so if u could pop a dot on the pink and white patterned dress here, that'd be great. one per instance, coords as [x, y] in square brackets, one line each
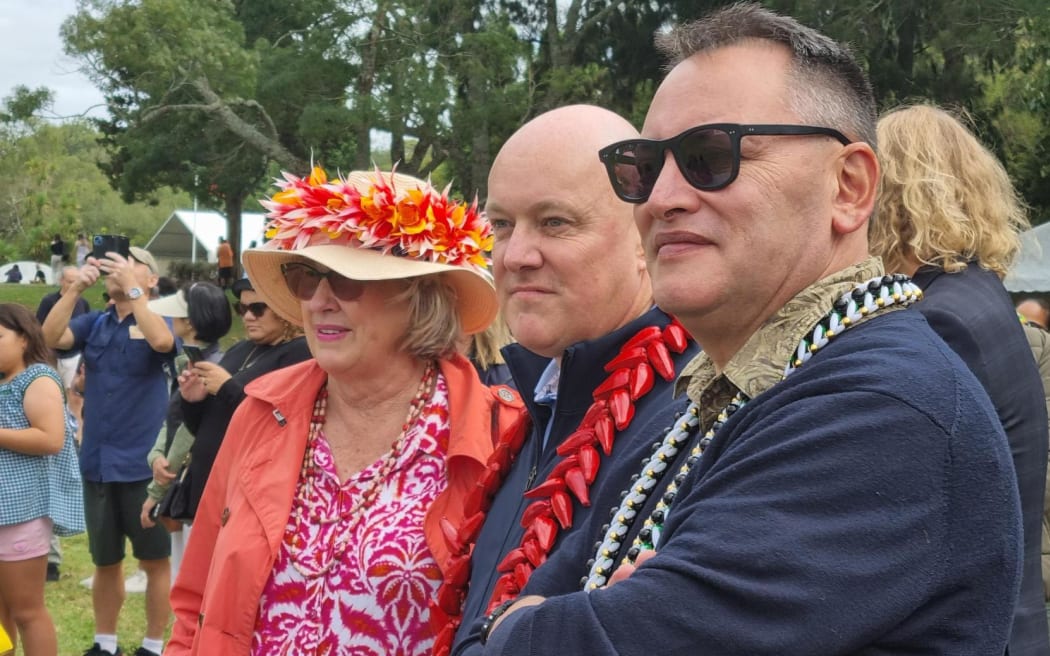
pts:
[359, 583]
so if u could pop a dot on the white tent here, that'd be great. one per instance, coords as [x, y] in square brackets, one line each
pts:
[186, 230]
[1031, 270]
[28, 269]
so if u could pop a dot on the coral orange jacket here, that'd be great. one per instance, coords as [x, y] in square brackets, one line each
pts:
[242, 515]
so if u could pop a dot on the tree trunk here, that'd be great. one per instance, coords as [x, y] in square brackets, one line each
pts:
[234, 206]
[480, 157]
[907, 34]
[365, 84]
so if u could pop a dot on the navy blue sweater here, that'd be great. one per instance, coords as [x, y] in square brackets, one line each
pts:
[865, 505]
[582, 368]
[974, 315]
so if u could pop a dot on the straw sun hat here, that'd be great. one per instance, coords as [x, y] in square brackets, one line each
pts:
[374, 226]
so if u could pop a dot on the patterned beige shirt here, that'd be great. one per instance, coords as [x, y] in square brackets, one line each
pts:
[760, 363]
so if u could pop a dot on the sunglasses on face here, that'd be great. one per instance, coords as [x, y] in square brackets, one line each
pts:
[257, 309]
[304, 279]
[708, 156]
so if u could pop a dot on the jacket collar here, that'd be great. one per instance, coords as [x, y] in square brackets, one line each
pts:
[467, 409]
[582, 365]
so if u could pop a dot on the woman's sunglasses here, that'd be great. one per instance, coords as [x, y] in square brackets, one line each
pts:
[256, 309]
[304, 279]
[708, 156]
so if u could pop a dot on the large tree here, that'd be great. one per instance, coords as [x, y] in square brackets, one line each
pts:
[49, 183]
[228, 91]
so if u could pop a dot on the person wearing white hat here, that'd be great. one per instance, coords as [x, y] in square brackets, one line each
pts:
[342, 505]
[200, 315]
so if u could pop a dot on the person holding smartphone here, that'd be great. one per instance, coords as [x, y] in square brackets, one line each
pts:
[212, 391]
[127, 351]
[200, 316]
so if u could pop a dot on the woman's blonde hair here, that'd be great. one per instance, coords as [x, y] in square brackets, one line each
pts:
[485, 346]
[433, 324]
[944, 198]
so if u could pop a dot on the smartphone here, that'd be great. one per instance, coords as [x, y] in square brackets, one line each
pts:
[193, 353]
[102, 244]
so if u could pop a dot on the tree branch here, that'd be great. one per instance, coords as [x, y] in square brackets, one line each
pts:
[237, 125]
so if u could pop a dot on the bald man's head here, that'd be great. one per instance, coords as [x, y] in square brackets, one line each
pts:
[568, 261]
[568, 139]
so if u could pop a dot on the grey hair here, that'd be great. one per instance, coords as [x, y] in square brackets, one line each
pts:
[828, 87]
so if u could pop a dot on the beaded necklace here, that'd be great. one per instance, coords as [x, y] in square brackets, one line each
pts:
[851, 308]
[631, 377]
[311, 471]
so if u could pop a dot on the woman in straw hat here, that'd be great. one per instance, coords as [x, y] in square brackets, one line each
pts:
[345, 499]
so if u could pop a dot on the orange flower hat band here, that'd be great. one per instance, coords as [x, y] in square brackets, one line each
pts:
[419, 223]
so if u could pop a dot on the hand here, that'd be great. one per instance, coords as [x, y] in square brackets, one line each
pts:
[211, 375]
[173, 525]
[191, 387]
[120, 270]
[161, 474]
[144, 517]
[624, 571]
[87, 275]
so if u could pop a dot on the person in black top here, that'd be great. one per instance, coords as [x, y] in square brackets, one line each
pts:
[272, 343]
[949, 217]
[58, 251]
[67, 359]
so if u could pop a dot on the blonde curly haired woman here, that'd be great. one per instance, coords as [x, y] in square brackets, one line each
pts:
[949, 217]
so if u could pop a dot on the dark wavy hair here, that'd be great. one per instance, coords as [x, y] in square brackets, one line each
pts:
[17, 318]
[209, 311]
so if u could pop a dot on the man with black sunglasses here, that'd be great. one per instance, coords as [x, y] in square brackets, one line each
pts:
[818, 495]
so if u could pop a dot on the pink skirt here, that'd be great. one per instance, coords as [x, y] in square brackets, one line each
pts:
[24, 541]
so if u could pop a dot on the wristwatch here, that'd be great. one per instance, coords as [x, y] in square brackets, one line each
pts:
[134, 293]
[490, 619]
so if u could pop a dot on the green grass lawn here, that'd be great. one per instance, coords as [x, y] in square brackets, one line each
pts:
[70, 602]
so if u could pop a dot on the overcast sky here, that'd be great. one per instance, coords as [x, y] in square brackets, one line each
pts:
[31, 54]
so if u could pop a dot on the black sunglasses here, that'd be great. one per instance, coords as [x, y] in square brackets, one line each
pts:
[708, 156]
[256, 308]
[303, 280]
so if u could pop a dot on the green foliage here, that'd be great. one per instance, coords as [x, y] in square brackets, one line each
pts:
[24, 104]
[227, 91]
[185, 270]
[163, 45]
[50, 183]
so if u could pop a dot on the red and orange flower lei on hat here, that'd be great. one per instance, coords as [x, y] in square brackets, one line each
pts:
[421, 223]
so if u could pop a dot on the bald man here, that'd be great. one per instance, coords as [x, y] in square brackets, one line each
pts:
[572, 281]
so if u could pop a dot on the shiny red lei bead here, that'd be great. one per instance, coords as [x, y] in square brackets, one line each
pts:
[630, 378]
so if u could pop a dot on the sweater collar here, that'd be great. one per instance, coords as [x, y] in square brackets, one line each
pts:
[582, 364]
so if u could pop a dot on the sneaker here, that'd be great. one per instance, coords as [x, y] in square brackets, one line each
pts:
[52, 572]
[96, 650]
[142, 651]
[136, 582]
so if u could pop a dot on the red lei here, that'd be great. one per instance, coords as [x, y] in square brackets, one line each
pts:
[631, 376]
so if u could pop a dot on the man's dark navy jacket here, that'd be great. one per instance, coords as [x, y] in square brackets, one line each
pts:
[582, 369]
